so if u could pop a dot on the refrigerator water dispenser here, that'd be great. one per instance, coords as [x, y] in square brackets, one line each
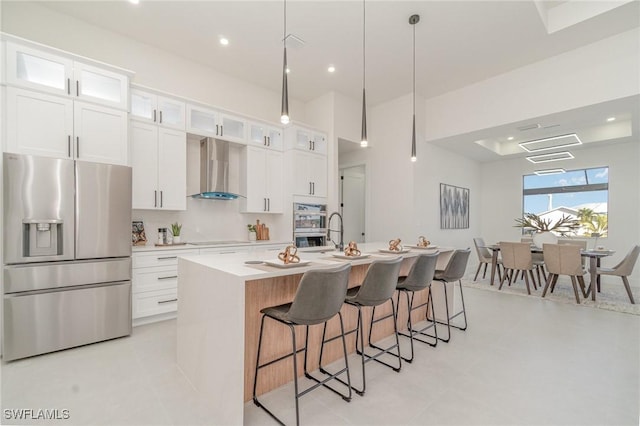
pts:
[42, 238]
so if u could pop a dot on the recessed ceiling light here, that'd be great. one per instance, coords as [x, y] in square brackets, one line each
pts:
[554, 142]
[510, 138]
[549, 172]
[224, 41]
[331, 68]
[552, 156]
[611, 119]
[134, 1]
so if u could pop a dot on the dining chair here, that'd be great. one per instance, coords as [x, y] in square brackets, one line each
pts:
[516, 257]
[485, 257]
[319, 297]
[564, 259]
[623, 269]
[538, 261]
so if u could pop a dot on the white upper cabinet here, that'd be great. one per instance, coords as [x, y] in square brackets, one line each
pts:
[159, 162]
[54, 126]
[204, 121]
[45, 71]
[306, 140]
[162, 110]
[266, 136]
[262, 181]
[309, 173]
[38, 124]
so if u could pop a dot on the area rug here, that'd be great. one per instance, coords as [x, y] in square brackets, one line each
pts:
[612, 297]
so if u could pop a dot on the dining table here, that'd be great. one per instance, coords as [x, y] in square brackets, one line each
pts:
[594, 262]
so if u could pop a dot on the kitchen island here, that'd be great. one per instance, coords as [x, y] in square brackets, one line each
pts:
[219, 302]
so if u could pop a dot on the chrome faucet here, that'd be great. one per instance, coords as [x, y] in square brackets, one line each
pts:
[339, 246]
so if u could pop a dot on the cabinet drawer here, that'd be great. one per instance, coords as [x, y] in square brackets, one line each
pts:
[154, 302]
[160, 258]
[155, 278]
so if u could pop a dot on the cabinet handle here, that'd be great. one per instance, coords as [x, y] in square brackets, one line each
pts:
[167, 257]
[167, 301]
[167, 278]
[309, 145]
[68, 86]
[155, 198]
[269, 140]
[77, 146]
[77, 87]
[313, 143]
[221, 130]
[264, 142]
[154, 115]
[69, 145]
[268, 204]
[217, 129]
[161, 203]
[313, 188]
[310, 193]
[160, 116]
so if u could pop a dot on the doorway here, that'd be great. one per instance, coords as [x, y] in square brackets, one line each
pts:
[352, 202]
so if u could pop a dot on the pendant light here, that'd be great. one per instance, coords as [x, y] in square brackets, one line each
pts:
[284, 114]
[363, 136]
[413, 20]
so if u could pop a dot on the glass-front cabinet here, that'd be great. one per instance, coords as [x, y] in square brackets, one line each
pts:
[44, 71]
[162, 110]
[266, 136]
[217, 124]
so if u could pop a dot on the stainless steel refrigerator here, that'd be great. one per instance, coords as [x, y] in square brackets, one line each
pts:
[67, 254]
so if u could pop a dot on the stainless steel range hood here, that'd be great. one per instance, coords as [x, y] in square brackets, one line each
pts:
[218, 173]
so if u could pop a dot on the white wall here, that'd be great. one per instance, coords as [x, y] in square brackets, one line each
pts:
[501, 202]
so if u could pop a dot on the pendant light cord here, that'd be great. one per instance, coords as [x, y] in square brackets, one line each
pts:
[414, 69]
[364, 36]
[284, 30]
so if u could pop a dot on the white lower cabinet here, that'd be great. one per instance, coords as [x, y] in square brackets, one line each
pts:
[159, 161]
[155, 284]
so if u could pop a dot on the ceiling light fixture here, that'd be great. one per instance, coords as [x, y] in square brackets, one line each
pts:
[510, 138]
[134, 1]
[610, 119]
[413, 20]
[224, 41]
[363, 134]
[549, 172]
[554, 142]
[552, 156]
[284, 110]
[331, 68]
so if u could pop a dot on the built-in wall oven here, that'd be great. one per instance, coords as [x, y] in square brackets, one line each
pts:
[309, 225]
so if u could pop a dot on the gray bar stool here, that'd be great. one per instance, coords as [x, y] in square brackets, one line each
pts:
[419, 279]
[377, 288]
[319, 297]
[454, 271]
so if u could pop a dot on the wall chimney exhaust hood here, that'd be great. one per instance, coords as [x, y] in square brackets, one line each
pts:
[219, 178]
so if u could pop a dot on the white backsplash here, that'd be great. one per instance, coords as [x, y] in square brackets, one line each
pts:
[207, 220]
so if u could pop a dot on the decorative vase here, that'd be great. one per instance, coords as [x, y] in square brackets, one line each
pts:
[544, 237]
[176, 239]
[252, 236]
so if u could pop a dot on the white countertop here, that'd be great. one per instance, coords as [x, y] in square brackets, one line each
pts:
[234, 264]
[189, 246]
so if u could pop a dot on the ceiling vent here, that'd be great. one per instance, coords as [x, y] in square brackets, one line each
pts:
[528, 127]
[554, 142]
[552, 156]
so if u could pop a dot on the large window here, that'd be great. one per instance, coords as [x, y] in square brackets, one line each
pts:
[580, 194]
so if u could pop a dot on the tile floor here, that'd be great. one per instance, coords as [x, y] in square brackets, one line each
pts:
[522, 361]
